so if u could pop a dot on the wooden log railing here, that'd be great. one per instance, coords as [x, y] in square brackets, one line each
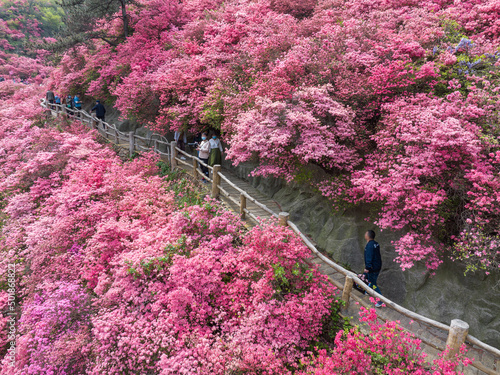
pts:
[457, 334]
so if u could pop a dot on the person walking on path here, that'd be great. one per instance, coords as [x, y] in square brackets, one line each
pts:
[215, 151]
[204, 152]
[50, 97]
[373, 262]
[77, 103]
[57, 99]
[69, 104]
[100, 111]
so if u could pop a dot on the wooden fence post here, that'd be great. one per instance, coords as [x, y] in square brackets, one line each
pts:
[173, 154]
[283, 218]
[117, 139]
[456, 337]
[131, 143]
[243, 205]
[346, 293]
[195, 167]
[155, 147]
[216, 181]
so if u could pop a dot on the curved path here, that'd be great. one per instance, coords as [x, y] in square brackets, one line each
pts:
[257, 205]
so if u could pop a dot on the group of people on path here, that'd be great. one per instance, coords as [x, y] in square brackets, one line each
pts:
[209, 149]
[74, 102]
[69, 102]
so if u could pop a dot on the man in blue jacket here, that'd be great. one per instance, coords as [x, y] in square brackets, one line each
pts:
[373, 261]
[77, 102]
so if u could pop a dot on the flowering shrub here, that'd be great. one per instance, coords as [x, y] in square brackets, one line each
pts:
[387, 350]
[123, 271]
[120, 275]
[396, 100]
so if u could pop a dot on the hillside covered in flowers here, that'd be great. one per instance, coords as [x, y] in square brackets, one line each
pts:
[387, 103]
[123, 267]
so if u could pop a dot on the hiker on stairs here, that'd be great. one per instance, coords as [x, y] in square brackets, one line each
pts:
[100, 111]
[69, 104]
[373, 262]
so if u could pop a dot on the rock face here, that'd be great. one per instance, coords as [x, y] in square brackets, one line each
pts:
[448, 295]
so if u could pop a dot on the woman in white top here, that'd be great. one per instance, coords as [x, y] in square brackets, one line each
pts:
[215, 151]
[204, 152]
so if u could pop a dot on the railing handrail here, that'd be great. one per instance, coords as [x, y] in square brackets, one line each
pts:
[194, 157]
[417, 317]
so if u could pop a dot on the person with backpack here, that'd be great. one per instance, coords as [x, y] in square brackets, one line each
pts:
[180, 136]
[373, 262]
[77, 102]
[69, 104]
[57, 101]
[215, 151]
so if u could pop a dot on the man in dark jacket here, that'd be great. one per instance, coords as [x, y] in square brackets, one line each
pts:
[373, 261]
[100, 111]
[50, 97]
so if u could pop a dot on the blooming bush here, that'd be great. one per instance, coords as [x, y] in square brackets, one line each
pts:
[121, 270]
[396, 100]
[119, 275]
[388, 349]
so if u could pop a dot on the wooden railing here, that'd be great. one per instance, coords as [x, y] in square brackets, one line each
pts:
[457, 332]
[135, 142]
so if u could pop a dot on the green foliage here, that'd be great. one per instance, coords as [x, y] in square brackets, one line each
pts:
[304, 174]
[186, 193]
[331, 325]
[453, 32]
[34, 18]
[150, 266]
[213, 110]
[287, 280]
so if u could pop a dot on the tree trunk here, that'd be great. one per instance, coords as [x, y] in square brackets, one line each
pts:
[125, 18]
